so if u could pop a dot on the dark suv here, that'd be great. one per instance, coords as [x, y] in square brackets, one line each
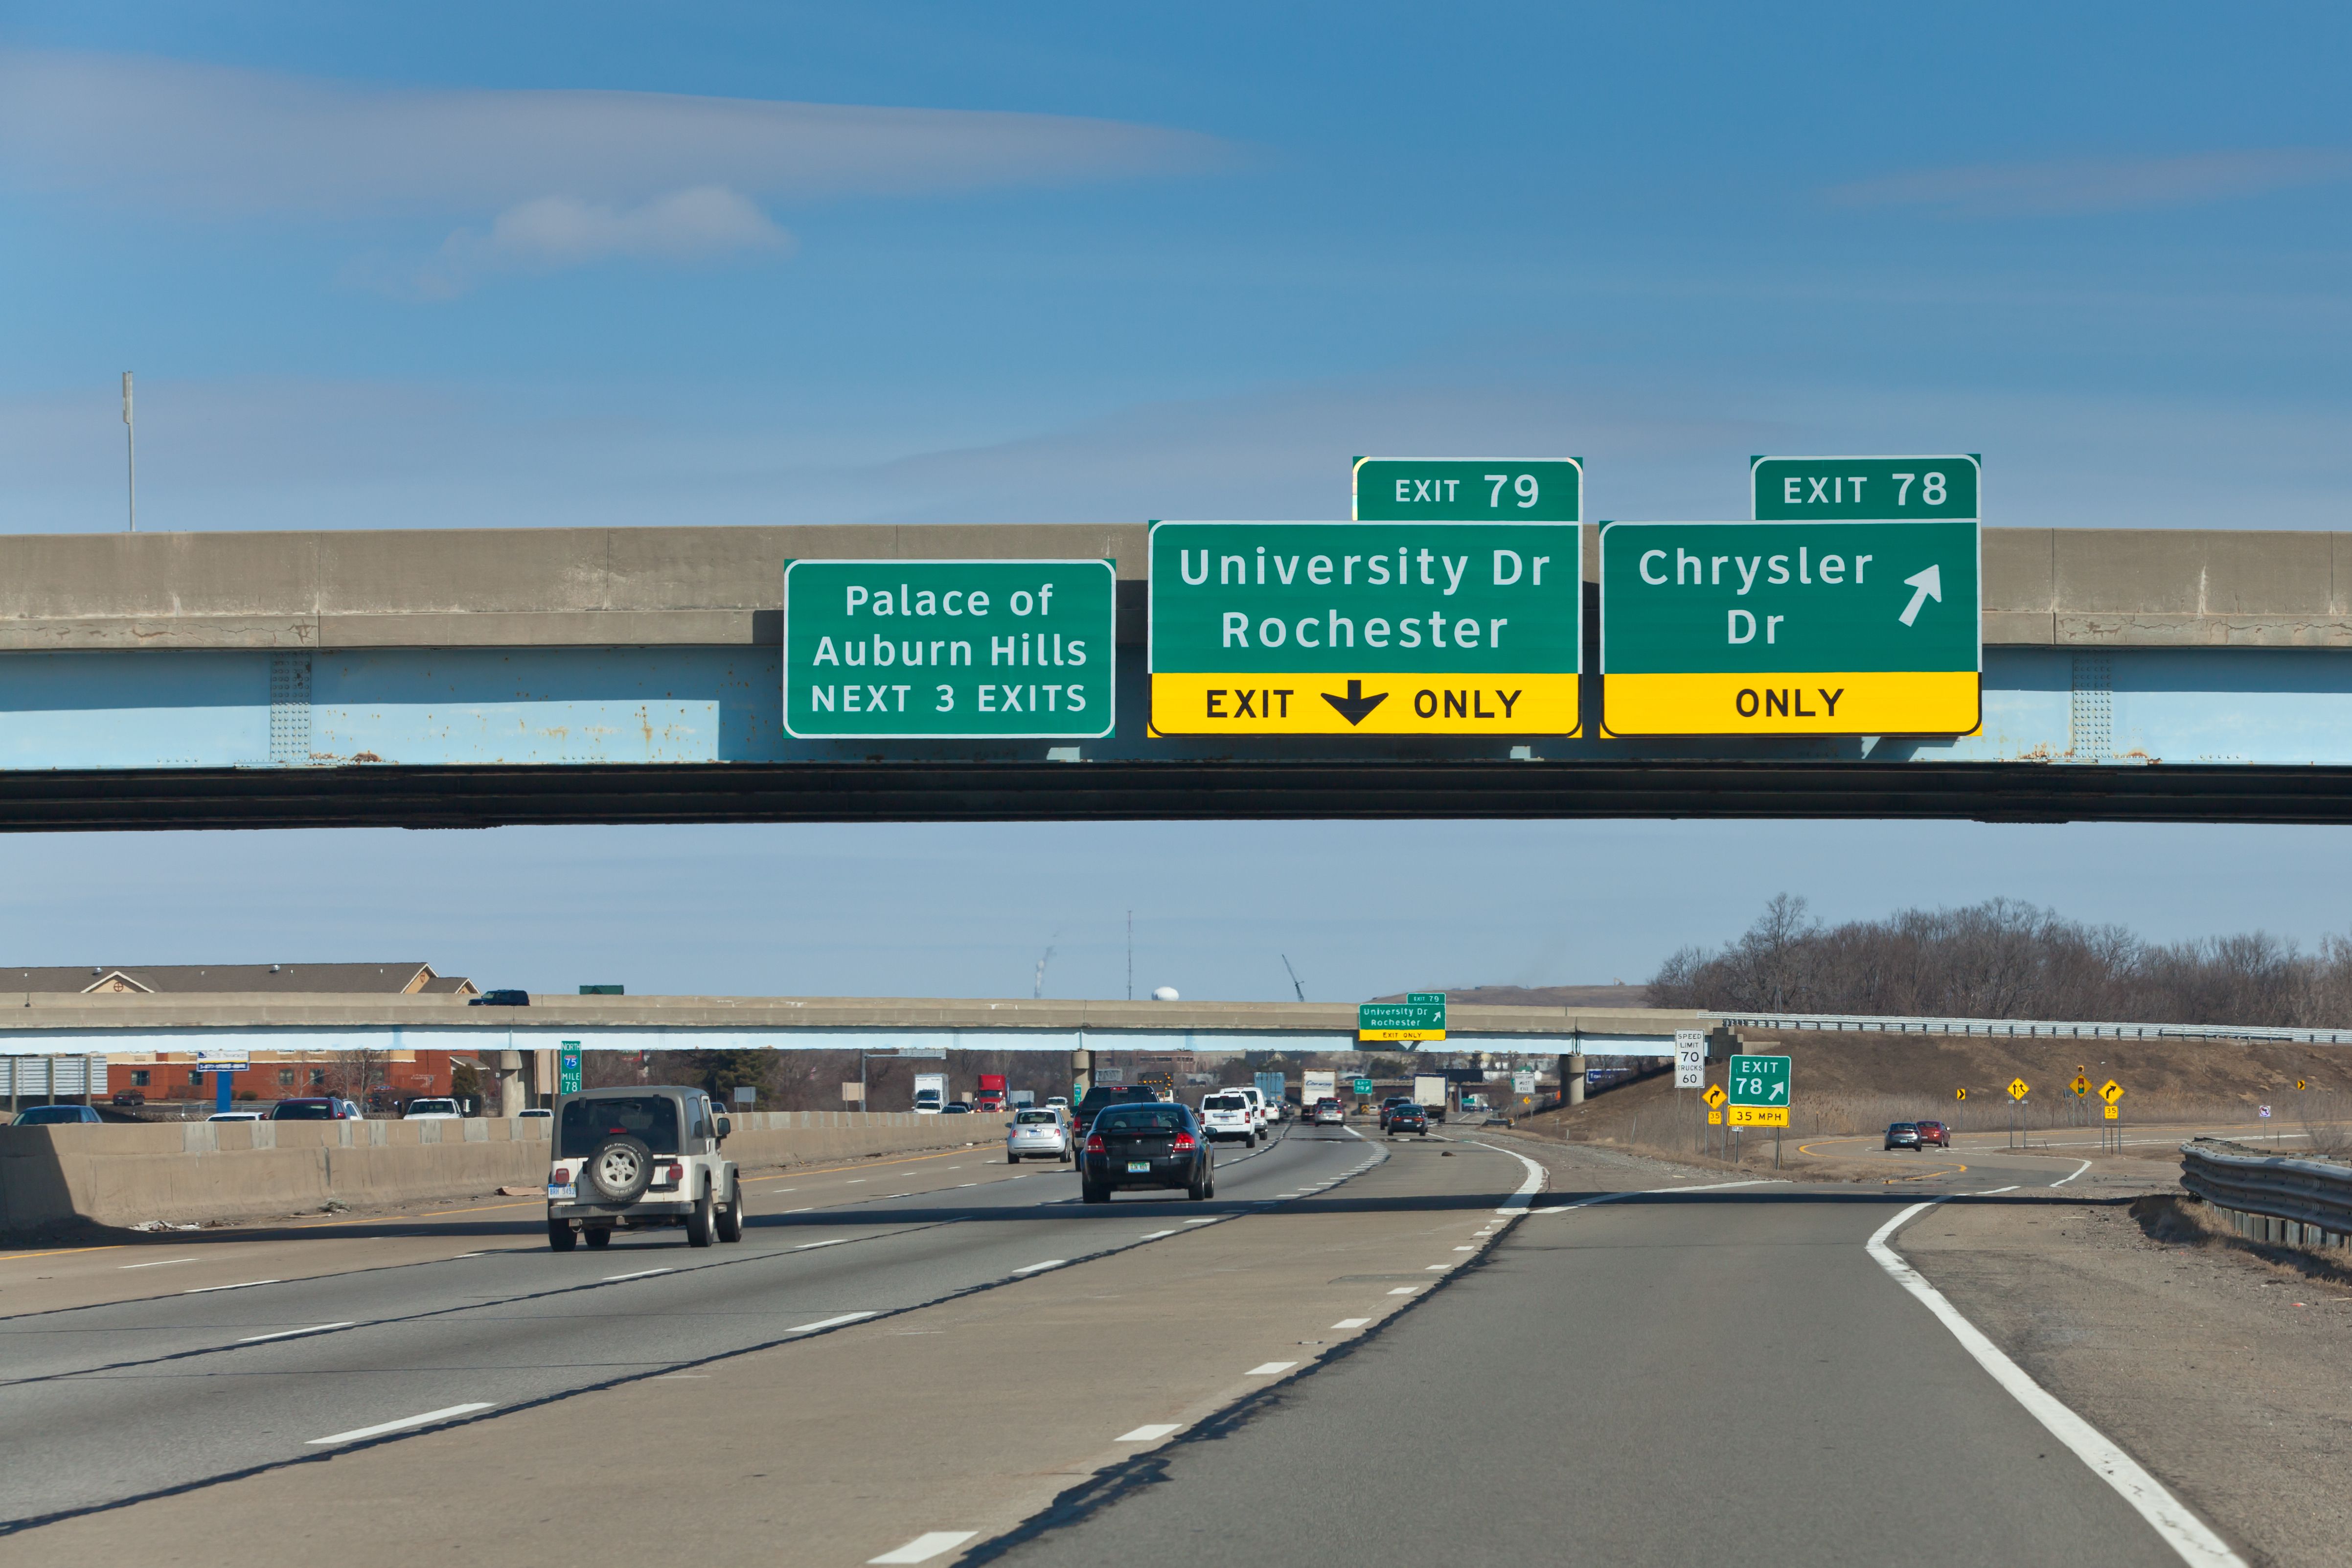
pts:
[309, 1108]
[1146, 1144]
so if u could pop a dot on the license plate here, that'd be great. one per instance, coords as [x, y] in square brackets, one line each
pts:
[1138, 1167]
[567, 1190]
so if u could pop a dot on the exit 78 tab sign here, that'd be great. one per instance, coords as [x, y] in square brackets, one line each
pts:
[1438, 628]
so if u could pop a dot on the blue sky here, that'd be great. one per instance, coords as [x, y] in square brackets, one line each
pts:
[463, 266]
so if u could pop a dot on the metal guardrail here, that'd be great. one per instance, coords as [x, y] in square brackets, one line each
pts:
[2032, 1028]
[2271, 1198]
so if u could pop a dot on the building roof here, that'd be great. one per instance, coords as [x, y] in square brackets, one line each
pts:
[269, 979]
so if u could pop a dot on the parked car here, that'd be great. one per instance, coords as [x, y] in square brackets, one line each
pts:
[1327, 1113]
[239, 1116]
[1935, 1132]
[310, 1108]
[1157, 1144]
[1227, 1115]
[54, 1117]
[1037, 1134]
[1902, 1136]
[429, 1109]
[500, 999]
[1407, 1118]
[626, 1158]
[130, 1097]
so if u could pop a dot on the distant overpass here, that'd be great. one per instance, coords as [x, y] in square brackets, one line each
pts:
[473, 677]
[48, 1024]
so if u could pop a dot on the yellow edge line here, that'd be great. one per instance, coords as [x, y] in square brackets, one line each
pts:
[64, 1251]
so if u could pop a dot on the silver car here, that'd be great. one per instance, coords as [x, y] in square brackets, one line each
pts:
[1038, 1135]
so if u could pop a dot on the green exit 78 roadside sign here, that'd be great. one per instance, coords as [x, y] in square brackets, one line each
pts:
[1758, 1081]
[947, 650]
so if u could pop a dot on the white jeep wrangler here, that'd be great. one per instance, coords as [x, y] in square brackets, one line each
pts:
[640, 1156]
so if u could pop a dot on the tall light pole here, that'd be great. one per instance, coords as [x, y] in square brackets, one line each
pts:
[130, 451]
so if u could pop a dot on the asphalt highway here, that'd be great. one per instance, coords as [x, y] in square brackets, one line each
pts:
[1664, 1377]
[103, 1404]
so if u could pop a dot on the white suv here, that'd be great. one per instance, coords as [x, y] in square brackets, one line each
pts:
[1229, 1115]
[633, 1157]
[1260, 1116]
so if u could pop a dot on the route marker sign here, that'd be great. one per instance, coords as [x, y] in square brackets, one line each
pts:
[1866, 489]
[567, 1068]
[949, 649]
[1715, 1097]
[2018, 1089]
[1421, 1015]
[1759, 1090]
[1469, 490]
[1786, 628]
[1370, 628]
[2111, 1091]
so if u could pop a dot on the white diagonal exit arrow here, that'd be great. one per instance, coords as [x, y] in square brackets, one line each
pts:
[1928, 584]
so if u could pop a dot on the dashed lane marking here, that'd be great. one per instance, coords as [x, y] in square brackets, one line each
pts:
[159, 1263]
[830, 1323]
[1040, 1267]
[242, 1285]
[1268, 1368]
[290, 1333]
[448, 1413]
[812, 1246]
[640, 1274]
[1150, 1434]
[924, 1547]
[1352, 1322]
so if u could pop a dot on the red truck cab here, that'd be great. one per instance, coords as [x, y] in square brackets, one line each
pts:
[991, 1093]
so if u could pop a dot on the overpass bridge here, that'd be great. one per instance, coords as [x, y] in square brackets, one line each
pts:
[473, 677]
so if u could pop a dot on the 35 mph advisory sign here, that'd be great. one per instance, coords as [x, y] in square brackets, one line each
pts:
[945, 649]
[1440, 628]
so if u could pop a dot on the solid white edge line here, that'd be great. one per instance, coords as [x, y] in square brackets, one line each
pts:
[245, 1285]
[159, 1263]
[2179, 1529]
[2070, 1176]
[926, 1546]
[1040, 1267]
[401, 1424]
[1518, 1200]
[289, 1334]
[829, 1323]
[1150, 1434]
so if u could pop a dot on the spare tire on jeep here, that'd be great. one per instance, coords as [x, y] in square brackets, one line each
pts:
[619, 1169]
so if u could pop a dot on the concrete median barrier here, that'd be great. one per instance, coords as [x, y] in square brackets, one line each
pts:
[56, 1178]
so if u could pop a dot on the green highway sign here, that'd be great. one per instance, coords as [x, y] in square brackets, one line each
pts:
[1421, 1015]
[1364, 1086]
[1365, 628]
[1469, 490]
[949, 649]
[1759, 1090]
[1866, 489]
[567, 1068]
[1829, 628]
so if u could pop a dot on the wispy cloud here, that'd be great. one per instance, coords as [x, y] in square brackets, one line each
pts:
[2066, 187]
[545, 179]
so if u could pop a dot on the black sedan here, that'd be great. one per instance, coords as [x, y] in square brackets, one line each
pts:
[1408, 1119]
[1146, 1145]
